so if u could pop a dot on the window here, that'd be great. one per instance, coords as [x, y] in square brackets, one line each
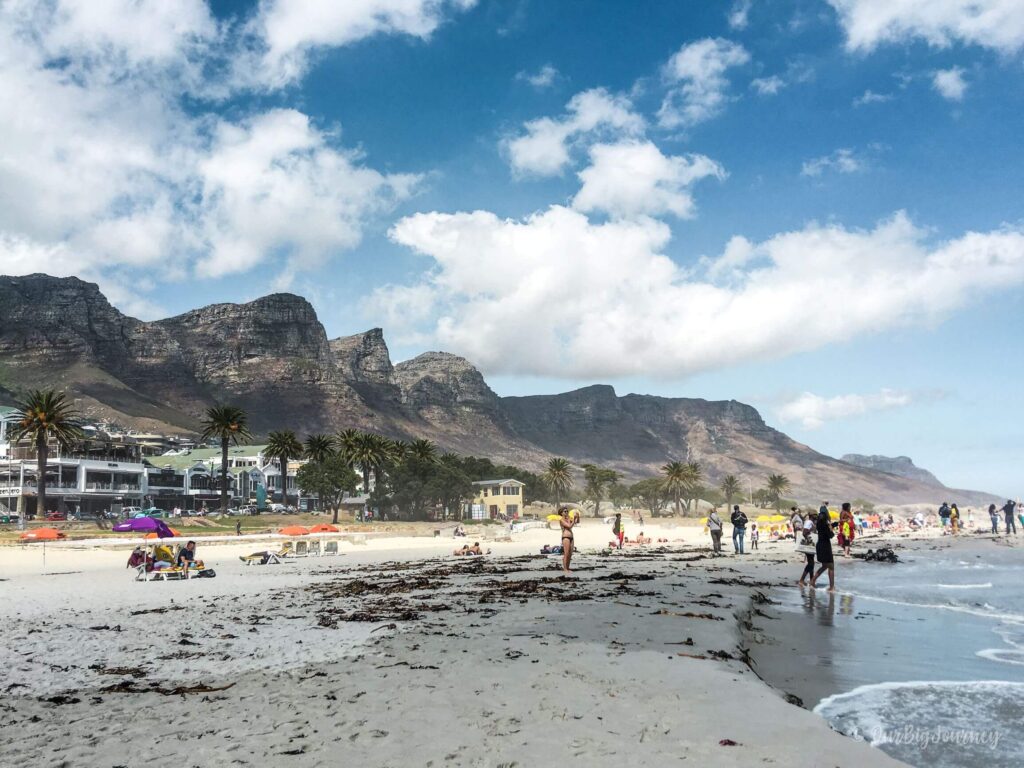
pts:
[510, 490]
[511, 510]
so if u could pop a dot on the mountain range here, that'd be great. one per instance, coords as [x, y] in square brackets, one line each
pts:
[273, 358]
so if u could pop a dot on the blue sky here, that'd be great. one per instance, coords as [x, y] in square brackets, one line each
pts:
[809, 205]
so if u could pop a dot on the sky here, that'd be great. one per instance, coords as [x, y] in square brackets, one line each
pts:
[813, 206]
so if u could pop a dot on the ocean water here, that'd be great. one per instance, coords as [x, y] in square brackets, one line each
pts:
[924, 659]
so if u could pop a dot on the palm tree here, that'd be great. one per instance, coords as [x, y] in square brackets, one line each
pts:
[558, 477]
[777, 485]
[423, 450]
[345, 443]
[692, 475]
[230, 425]
[283, 446]
[675, 479]
[370, 452]
[42, 416]
[730, 488]
[319, 448]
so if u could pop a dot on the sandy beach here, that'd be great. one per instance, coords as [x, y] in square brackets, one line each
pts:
[396, 653]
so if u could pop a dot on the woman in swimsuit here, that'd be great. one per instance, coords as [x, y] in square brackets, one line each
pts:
[567, 521]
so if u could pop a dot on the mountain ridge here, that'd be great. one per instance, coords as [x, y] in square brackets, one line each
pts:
[272, 356]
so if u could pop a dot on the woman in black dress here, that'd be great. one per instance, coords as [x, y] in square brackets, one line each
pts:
[824, 549]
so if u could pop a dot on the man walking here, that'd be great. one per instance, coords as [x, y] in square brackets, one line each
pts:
[739, 528]
[617, 530]
[1008, 509]
[715, 527]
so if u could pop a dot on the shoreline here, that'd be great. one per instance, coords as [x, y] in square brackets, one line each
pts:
[407, 656]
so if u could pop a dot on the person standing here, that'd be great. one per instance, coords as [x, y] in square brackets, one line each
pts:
[566, 521]
[238, 527]
[617, 530]
[1008, 509]
[805, 545]
[796, 522]
[944, 513]
[754, 536]
[993, 515]
[823, 549]
[847, 528]
[739, 528]
[715, 528]
[954, 519]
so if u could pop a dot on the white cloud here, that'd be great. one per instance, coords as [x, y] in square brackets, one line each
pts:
[102, 168]
[557, 294]
[997, 24]
[840, 161]
[768, 86]
[543, 78]
[634, 178]
[812, 411]
[739, 14]
[870, 97]
[544, 149]
[950, 83]
[273, 185]
[285, 33]
[697, 83]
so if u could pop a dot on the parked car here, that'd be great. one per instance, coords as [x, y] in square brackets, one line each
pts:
[130, 511]
[55, 515]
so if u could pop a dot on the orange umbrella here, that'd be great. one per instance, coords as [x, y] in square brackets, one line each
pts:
[153, 534]
[42, 534]
[294, 530]
[323, 528]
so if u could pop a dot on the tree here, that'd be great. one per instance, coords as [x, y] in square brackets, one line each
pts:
[423, 450]
[42, 416]
[651, 494]
[346, 443]
[619, 493]
[762, 498]
[319, 448]
[558, 477]
[330, 479]
[449, 485]
[283, 446]
[597, 478]
[370, 452]
[777, 485]
[673, 480]
[692, 475]
[730, 488]
[230, 425]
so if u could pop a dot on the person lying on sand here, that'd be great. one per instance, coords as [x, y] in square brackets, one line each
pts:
[468, 550]
[641, 539]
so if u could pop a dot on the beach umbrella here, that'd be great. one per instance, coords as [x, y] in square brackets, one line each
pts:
[294, 530]
[324, 528]
[779, 518]
[144, 525]
[833, 514]
[764, 518]
[155, 535]
[42, 534]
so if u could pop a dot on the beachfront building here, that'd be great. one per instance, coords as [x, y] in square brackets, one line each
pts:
[496, 500]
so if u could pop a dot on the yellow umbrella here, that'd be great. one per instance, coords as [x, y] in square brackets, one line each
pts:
[779, 518]
[764, 518]
[833, 514]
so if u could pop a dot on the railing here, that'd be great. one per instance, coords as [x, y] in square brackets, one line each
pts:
[112, 487]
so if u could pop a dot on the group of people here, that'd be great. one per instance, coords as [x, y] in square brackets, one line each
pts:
[162, 557]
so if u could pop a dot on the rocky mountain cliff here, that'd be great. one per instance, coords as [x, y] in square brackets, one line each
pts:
[901, 466]
[273, 358]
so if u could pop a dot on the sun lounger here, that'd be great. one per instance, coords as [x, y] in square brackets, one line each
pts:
[314, 549]
[301, 548]
[330, 547]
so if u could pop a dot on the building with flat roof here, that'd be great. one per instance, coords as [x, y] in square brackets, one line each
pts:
[496, 500]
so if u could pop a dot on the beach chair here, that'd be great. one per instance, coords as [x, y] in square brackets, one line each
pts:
[314, 549]
[301, 548]
[330, 547]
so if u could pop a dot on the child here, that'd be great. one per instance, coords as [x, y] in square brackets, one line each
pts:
[754, 535]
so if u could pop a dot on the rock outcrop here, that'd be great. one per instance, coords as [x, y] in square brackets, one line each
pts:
[272, 357]
[901, 466]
